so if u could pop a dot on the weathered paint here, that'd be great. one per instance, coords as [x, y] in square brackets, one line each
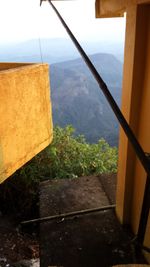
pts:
[25, 114]
[135, 107]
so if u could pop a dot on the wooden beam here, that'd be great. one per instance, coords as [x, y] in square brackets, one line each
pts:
[115, 8]
[107, 8]
[126, 162]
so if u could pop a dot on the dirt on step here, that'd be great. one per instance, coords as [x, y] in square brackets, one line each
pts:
[92, 240]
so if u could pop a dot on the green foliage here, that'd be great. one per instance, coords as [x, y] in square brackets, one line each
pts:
[69, 156]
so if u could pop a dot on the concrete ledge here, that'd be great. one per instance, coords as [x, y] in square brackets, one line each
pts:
[25, 114]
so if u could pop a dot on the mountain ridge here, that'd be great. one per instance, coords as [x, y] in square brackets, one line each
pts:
[77, 99]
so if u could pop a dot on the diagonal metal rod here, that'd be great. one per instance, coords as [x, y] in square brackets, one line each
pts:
[69, 214]
[137, 147]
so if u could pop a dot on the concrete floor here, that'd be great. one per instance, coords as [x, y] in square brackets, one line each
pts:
[83, 241]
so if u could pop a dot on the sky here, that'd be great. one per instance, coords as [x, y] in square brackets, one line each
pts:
[22, 20]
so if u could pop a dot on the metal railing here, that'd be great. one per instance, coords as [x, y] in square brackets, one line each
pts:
[144, 159]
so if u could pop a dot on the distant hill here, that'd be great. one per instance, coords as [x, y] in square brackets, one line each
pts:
[77, 99]
[54, 50]
[36, 50]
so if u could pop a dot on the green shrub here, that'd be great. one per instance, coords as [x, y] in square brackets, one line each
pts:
[69, 156]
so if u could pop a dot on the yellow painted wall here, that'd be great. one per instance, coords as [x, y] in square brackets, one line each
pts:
[25, 114]
[143, 133]
[136, 108]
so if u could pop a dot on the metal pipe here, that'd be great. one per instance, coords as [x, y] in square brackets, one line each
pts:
[69, 214]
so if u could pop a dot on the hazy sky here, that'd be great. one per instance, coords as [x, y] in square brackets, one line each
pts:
[25, 19]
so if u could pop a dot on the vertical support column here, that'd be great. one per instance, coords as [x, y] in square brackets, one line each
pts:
[143, 131]
[126, 155]
[134, 69]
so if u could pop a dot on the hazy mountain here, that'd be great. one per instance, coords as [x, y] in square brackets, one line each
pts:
[36, 50]
[77, 99]
[54, 50]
